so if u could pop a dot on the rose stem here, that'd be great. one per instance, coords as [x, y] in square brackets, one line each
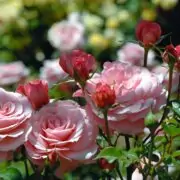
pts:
[146, 50]
[107, 127]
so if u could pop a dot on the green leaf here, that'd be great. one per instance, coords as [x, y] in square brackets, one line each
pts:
[10, 174]
[176, 153]
[62, 89]
[4, 165]
[172, 130]
[129, 157]
[110, 153]
[19, 165]
[132, 155]
[163, 174]
[176, 107]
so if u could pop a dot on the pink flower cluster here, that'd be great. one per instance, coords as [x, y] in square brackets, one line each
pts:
[137, 92]
[59, 130]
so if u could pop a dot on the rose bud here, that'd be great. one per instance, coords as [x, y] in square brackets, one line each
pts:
[148, 33]
[78, 64]
[104, 96]
[36, 91]
[169, 54]
[177, 48]
[104, 164]
[177, 64]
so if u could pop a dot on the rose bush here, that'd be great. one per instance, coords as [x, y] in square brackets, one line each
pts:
[51, 131]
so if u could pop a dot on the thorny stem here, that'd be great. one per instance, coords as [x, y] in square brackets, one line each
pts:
[107, 127]
[165, 113]
[127, 142]
[25, 161]
[166, 109]
[171, 67]
[115, 143]
[150, 152]
[118, 171]
[178, 93]
[26, 168]
[129, 169]
[146, 50]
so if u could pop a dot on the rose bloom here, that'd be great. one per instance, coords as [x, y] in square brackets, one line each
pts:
[137, 91]
[62, 128]
[134, 54]
[12, 73]
[15, 112]
[66, 35]
[163, 72]
[52, 73]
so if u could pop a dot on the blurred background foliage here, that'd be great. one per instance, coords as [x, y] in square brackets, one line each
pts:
[24, 25]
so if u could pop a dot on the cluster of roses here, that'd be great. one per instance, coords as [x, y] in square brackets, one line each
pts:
[62, 130]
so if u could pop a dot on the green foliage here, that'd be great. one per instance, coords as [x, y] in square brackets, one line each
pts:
[114, 153]
[176, 107]
[10, 174]
[171, 129]
[110, 153]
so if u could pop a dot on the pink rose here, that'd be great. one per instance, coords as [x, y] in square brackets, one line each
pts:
[66, 35]
[52, 73]
[36, 91]
[134, 54]
[63, 128]
[15, 111]
[137, 92]
[163, 72]
[12, 73]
